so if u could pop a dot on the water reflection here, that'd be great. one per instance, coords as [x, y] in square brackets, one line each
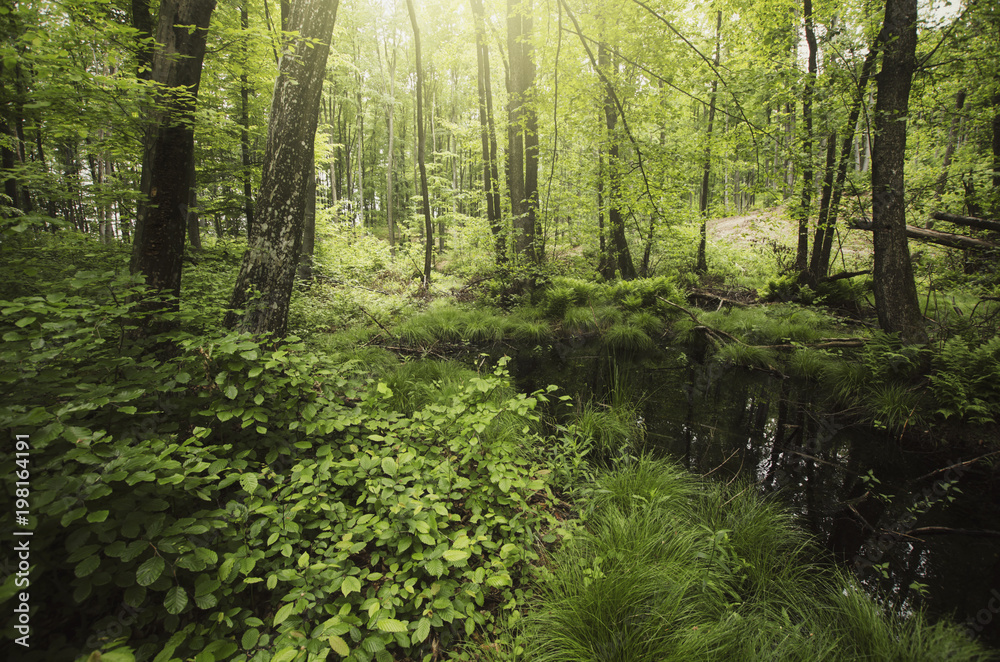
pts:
[887, 513]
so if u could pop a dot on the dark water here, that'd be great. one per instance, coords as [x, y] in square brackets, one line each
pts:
[870, 500]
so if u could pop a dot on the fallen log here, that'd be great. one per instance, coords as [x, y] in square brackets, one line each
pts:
[942, 238]
[970, 221]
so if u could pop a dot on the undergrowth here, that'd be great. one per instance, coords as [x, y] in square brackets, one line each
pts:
[668, 567]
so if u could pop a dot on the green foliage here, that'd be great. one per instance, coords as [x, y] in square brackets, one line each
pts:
[965, 380]
[624, 339]
[244, 501]
[672, 568]
[750, 356]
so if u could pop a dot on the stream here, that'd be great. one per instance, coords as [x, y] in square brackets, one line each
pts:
[914, 525]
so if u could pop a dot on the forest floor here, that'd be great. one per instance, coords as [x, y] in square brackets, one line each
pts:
[773, 229]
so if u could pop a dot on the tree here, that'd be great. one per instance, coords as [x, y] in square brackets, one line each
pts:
[421, 140]
[522, 150]
[487, 130]
[169, 143]
[805, 204]
[259, 303]
[702, 265]
[895, 290]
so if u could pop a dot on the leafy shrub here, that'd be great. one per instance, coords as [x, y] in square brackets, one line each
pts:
[243, 502]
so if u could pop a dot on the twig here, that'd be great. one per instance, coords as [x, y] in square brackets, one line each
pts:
[955, 466]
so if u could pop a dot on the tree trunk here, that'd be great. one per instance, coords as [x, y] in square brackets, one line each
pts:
[805, 204]
[621, 257]
[391, 112]
[193, 229]
[823, 243]
[421, 139]
[142, 21]
[523, 148]
[491, 170]
[247, 174]
[949, 150]
[169, 144]
[894, 288]
[948, 239]
[264, 286]
[305, 270]
[702, 265]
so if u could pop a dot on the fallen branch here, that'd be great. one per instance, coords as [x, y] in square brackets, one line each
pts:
[957, 465]
[941, 238]
[970, 221]
[843, 275]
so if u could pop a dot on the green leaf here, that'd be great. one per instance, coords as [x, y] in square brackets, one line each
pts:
[88, 565]
[420, 634]
[389, 466]
[97, 516]
[339, 646]
[455, 555]
[283, 613]
[350, 585]
[286, 654]
[250, 638]
[231, 392]
[248, 482]
[176, 600]
[150, 571]
[391, 625]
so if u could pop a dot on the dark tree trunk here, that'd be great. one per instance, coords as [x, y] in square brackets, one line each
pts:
[305, 271]
[491, 171]
[523, 148]
[245, 134]
[805, 203]
[895, 290]
[142, 21]
[702, 265]
[264, 286]
[421, 140]
[949, 150]
[823, 243]
[621, 257]
[193, 228]
[168, 152]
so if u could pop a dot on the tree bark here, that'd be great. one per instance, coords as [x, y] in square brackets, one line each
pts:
[895, 290]
[264, 286]
[970, 221]
[523, 147]
[247, 173]
[823, 242]
[305, 270]
[391, 112]
[169, 144]
[421, 140]
[491, 171]
[621, 257]
[949, 150]
[805, 203]
[702, 265]
[941, 238]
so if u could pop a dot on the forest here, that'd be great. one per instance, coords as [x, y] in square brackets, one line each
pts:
[540, 330]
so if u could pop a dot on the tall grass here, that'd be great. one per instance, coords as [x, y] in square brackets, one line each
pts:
[670, 567]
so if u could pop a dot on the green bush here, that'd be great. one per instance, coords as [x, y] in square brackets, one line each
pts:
[250, 502]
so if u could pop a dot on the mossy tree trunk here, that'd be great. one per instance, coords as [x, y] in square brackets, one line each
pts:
[168, 150]
[264, 286]
[895, 290]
